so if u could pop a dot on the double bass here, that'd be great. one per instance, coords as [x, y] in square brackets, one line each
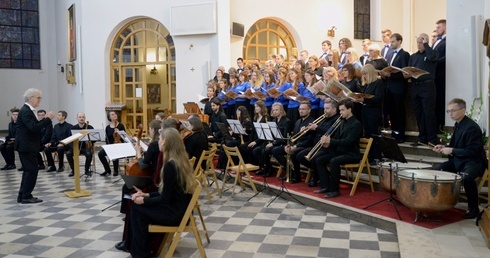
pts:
[133, 168]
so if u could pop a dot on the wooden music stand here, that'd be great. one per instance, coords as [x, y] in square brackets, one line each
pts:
[192, 108]
[76, 159]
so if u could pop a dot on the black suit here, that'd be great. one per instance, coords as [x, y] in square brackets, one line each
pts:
[60, 132]
[7, 148]
[343, 149]
[46, 134]
[195, 144]
[386, 52]
[27, 137]
[468, 157]
[394, 101]
[440, 81]
[372, 114]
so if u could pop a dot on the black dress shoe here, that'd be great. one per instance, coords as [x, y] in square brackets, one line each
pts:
[60, 169]
[31, 200]
[121, 246]
[332, 194]
[105, 173]
[259, 172]
[5, 167]
[40, 167]
[88, 173]
[115, 173]
[323, 190]
[71, 173]
[11, 167]
[295, 180]
[51, 169]
[471, 215]
[19, 199]
[312, 183]
[20, 169]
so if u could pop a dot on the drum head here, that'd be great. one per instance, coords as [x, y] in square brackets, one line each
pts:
[429, 175]
[401, 166]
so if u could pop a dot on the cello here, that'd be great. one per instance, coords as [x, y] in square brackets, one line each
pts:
[133, 168]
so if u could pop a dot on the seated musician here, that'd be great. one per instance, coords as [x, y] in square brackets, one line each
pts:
[218, 116]
[300, 144]
[210, 93]
[84, 147]
[152, 161]
[46, 133]
[197, 141]
[160, 116]
[465, 152]
[330, 110]
[7, 148]
[264, 152]
[341, 148]
[166, 206]
[246, 149]
[111, 137]
[237, 139]
[61, 131]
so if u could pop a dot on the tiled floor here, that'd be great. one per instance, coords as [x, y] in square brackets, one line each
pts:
[238, 227]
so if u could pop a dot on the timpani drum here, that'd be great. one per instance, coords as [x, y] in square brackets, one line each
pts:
[428, 190]
[384, 172]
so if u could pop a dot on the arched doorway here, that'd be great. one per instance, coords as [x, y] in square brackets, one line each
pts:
[143, 71]
[267, 36]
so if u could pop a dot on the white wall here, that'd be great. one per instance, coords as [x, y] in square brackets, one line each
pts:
[465, 54]
[14, 82]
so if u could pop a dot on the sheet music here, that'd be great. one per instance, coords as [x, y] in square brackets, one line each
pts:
[258, 129]
[143, 145]
[236, 127]
[275, 130]
[267, 131]
[125, 137]
[72, 138]
[119, 150]
[95, 135]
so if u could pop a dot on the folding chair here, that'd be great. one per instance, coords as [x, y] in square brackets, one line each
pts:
[207, 157]
[238, 169]
[173, 234]
[365, 144]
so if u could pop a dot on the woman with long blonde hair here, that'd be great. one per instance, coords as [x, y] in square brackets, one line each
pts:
[168, 205]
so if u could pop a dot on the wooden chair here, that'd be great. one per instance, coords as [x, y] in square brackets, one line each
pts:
[192, 161]
[365, 144]
[238, 169]
[173, 234]
[481, 183]
[207, 157]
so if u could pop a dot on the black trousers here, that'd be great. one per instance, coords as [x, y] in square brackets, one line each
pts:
[29, 174]
[88, 158]
[469, 173]
[263, 155]
[395, 108]
[301, 157]
[61, 154]
[8, 153]
[423, 103]
[372, 121]
[102, 157]
[330, 179]
[279, 154]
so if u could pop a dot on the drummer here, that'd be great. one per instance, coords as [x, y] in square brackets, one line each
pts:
[465, 152]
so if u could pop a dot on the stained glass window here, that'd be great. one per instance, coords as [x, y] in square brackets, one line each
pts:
[362, 16]
[19, 34]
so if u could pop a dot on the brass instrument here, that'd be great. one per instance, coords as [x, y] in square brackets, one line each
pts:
[305, 129]
[319, 144]
[88, 144]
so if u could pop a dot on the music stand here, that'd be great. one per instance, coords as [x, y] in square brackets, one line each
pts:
[283, 188]
[93, 135]
[263, 133]
[236, 127]
[76, 152]
[392, 151]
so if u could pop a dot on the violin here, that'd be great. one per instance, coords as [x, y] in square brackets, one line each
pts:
[117, 137]
[88, 144]
[133, 167]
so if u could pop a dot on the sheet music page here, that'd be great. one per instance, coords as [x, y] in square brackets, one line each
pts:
[258, 129]
[267, 131]
[72, 138]
[143, 145]
[119, 150]
[275, 130]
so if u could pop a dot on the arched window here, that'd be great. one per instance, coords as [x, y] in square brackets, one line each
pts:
[265, 37]
[143, 71]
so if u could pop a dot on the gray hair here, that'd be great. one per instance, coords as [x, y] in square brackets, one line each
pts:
[30, 93]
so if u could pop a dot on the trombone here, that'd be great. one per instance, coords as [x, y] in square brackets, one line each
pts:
[305, 129]
[319, 144]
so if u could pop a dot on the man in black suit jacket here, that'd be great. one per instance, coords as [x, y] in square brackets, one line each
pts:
[46, 134]
[27, 138]
[465, 152]
[342, 148]
[61, 131]
[440, 76]
[394, 101]
[7, 148]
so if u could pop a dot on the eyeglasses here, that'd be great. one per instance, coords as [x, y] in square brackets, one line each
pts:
[450, 111]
